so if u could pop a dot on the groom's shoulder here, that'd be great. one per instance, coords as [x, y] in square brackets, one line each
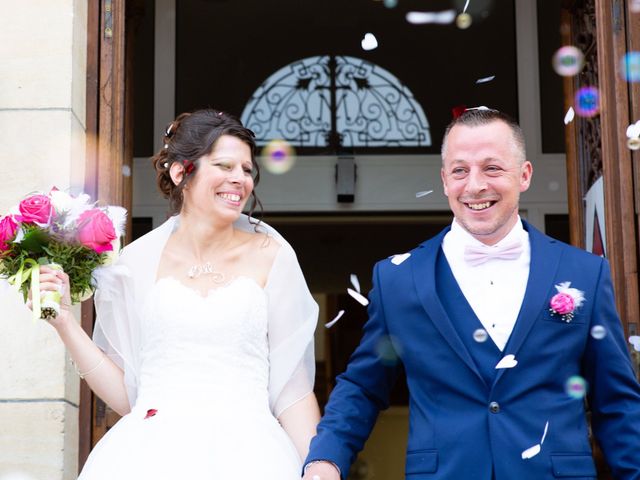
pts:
[569, 252]
[398, 262]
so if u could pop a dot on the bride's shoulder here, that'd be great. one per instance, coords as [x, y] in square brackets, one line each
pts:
[260, 245]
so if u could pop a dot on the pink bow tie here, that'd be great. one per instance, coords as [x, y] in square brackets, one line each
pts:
[478, 254]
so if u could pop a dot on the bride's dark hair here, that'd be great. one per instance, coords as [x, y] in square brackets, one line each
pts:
[189, 137]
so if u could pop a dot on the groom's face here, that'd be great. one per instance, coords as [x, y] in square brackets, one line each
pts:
[483, 174]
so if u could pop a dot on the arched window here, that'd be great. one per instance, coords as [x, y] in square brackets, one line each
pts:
[336, 102]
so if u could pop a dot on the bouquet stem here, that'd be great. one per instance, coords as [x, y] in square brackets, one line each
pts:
[50, 300]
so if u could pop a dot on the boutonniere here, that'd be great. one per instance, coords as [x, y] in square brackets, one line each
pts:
[565, 302]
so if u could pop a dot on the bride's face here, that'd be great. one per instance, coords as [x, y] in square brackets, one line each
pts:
[223, 181]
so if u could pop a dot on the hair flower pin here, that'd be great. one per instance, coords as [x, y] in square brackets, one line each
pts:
[565, 302]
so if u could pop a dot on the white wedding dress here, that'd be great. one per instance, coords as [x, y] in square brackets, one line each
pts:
[202, 408]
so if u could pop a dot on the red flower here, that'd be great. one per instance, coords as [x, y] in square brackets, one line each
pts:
[35, 209]
[8, 228]
[95, 230]
[151, 413]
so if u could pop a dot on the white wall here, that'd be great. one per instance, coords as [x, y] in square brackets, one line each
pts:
[42, 111]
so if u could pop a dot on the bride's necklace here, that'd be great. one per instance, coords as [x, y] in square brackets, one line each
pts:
[206, 268]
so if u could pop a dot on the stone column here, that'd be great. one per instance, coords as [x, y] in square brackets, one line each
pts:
[43, 45]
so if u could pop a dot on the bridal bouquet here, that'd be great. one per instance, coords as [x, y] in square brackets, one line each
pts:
[62, 231]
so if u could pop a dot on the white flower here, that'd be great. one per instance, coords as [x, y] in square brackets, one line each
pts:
[60, 200]
[118, 216]
[78, 205]
[577, 295]
[111, 257]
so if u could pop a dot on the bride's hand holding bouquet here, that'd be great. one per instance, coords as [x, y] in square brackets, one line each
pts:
[50, 244]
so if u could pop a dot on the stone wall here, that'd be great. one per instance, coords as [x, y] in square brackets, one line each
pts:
[42, 122]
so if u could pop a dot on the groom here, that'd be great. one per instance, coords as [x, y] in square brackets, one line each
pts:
[501, 330]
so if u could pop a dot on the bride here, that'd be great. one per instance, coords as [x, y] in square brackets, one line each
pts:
[204, 329]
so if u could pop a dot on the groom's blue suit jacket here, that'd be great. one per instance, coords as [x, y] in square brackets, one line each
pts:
[469, 420]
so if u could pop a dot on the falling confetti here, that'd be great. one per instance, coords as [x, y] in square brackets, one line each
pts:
[423, 193]
[587, 102]
[336, 318]
[398, 259]
[422, 18]
[390, 3]
[568, 117]
[598, 332]
[568, 61]
[508, 361]
[361, 299]
[466, 5]
[355, 282]
[481, 336]
[630, 67]
[635, 341]
[369, 42]
[278, 157]
[633, 130]
[535, 450]
[126, 171]
[576, 387]
[485, 79]
[151, 413]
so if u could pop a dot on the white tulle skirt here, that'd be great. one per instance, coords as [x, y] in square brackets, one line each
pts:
[185, 441]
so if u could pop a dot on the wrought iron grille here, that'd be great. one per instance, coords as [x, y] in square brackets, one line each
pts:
[336, 102]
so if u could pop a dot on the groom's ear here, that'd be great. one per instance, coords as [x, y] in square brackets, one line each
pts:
[444, 182]
[176, 172]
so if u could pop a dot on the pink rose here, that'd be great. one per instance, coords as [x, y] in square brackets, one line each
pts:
[562, 303]
[8, 228]
[35, 209]
[95, 230]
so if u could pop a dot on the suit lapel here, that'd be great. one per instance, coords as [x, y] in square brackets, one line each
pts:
[545, 259]
[424, 275]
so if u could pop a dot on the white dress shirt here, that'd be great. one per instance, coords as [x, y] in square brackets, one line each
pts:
[495, 289]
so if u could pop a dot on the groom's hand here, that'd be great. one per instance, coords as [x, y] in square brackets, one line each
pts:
[321, 471]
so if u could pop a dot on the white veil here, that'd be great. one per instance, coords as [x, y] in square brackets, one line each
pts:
[292, 313]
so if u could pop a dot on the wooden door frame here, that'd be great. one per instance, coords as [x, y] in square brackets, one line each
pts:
[109, 147]
[617, 31]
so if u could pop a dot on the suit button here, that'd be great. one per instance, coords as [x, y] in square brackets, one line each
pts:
[494, 407]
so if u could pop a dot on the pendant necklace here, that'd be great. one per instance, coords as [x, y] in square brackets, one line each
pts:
[205, 269]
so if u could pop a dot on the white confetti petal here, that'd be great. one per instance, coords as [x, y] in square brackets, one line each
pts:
[369, 42]
[531, 452]
[358, 297]
[466, 5]
[355, 282]
[398, 259]
[336, 318]
[423, 193]
[508, 361]
[568, 117]
[422, 18]
[485, 79]
[633, 130]
[544, 435]
[635, 341]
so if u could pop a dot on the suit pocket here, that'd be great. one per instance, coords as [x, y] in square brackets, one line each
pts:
[573, 465]
[421, 461]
